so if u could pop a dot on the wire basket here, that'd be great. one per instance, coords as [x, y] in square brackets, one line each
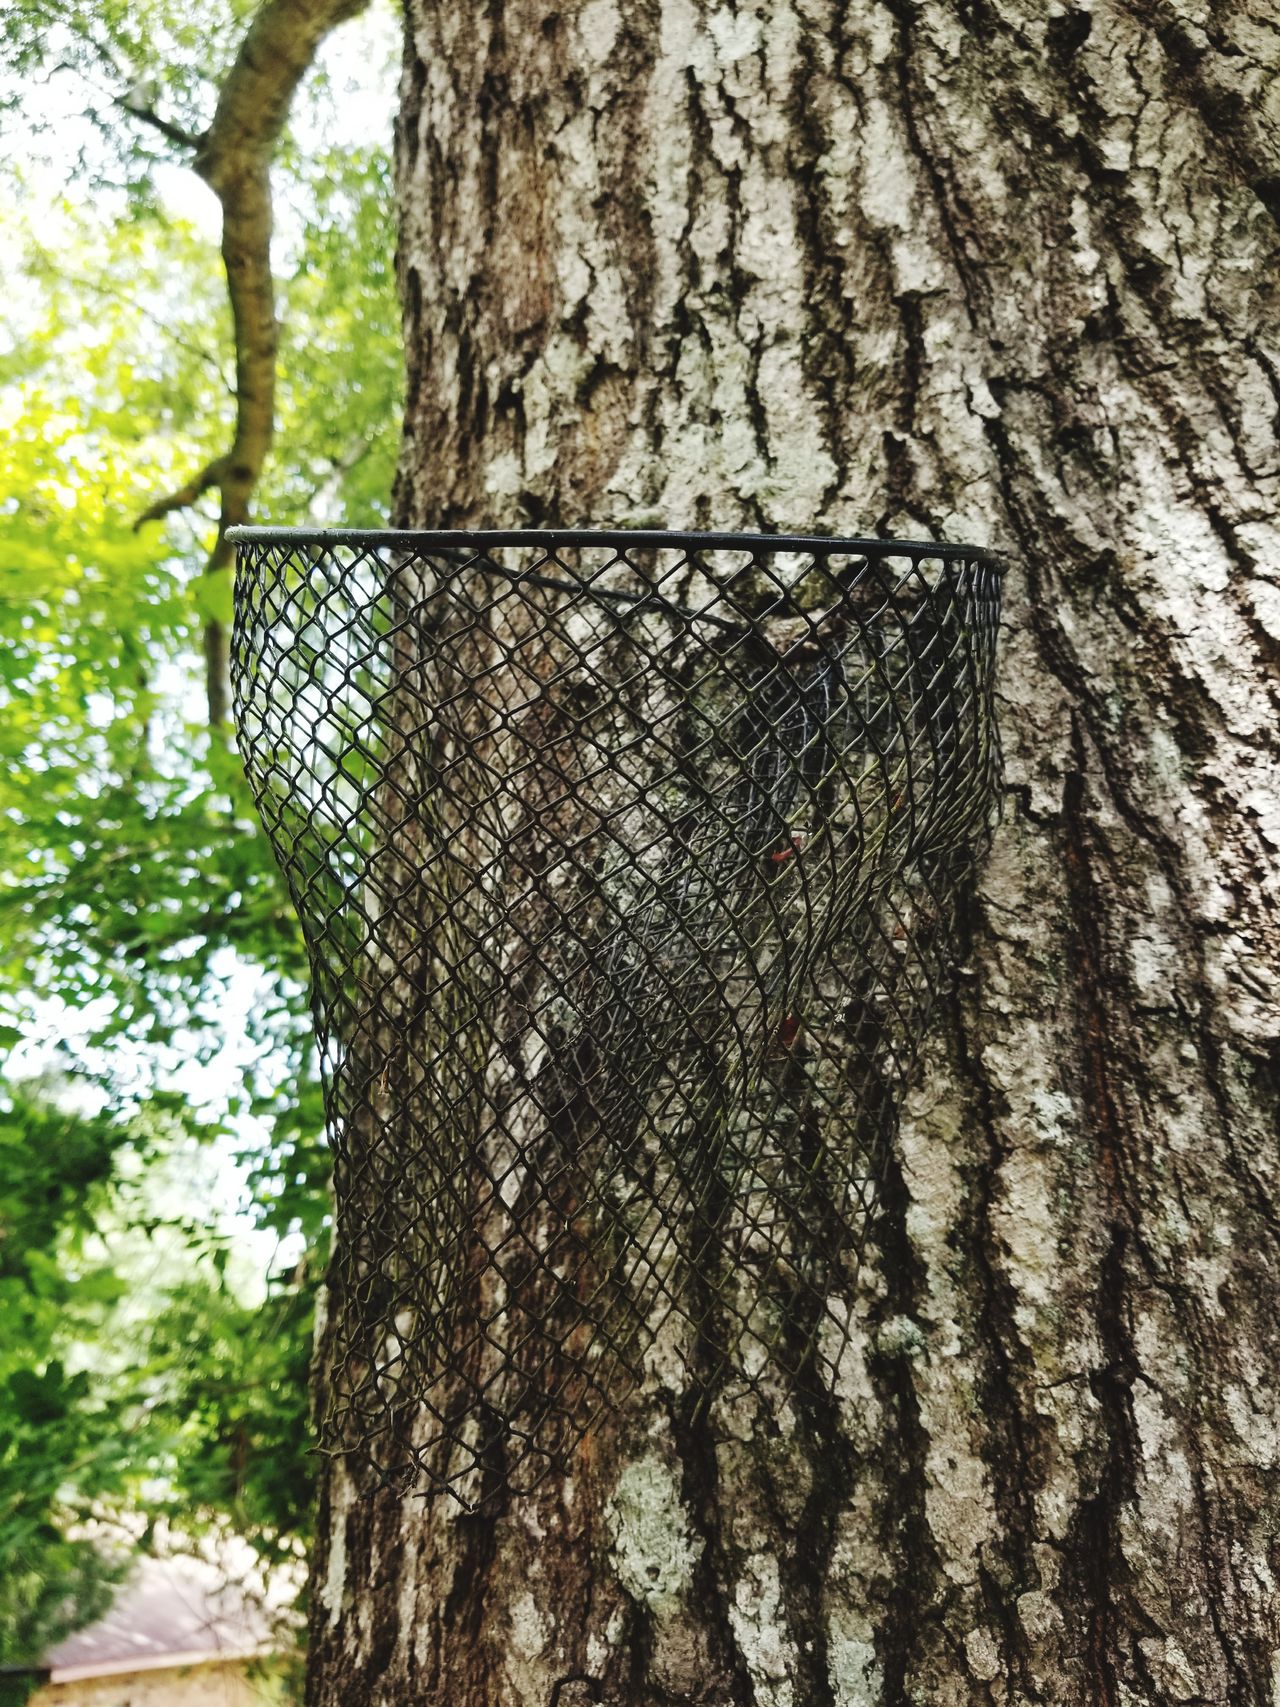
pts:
[627, 865]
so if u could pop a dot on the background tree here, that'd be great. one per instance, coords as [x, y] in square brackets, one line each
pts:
[1004, 273]
[163, 1209]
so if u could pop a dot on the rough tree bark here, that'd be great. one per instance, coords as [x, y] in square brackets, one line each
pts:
[995, 271]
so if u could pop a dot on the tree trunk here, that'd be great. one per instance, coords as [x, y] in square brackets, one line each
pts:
[1001, 273]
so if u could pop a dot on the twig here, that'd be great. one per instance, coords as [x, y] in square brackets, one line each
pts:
[185, 496]
[166, 127]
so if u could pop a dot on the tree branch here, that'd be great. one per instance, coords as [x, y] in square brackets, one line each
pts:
[234, 159]
[185, 496]
[166, 127]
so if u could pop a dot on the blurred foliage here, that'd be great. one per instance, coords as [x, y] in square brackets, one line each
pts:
[53, 1167]
[163, 1195]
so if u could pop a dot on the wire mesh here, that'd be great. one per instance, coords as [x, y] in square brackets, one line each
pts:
[627, 866]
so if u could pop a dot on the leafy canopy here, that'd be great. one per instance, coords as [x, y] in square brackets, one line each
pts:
[153, 1354]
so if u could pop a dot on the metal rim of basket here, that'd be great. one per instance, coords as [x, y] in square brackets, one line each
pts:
[469, 548]
[418, 539]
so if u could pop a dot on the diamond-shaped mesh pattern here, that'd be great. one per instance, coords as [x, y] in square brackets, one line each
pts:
[626, 864]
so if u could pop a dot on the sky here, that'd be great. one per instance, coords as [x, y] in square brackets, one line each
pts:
[357, 62]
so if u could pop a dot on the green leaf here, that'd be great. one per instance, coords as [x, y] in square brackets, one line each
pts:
[213, 596]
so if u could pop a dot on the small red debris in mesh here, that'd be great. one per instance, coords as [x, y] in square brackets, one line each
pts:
[789, 1030]
[779, 856]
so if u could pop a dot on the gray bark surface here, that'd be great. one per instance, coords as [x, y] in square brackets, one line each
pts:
[993, 272]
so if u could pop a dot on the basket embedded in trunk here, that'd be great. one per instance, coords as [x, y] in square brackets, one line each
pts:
[627, 865]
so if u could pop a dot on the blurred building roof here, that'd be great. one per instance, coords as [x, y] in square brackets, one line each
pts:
[171, 1611]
